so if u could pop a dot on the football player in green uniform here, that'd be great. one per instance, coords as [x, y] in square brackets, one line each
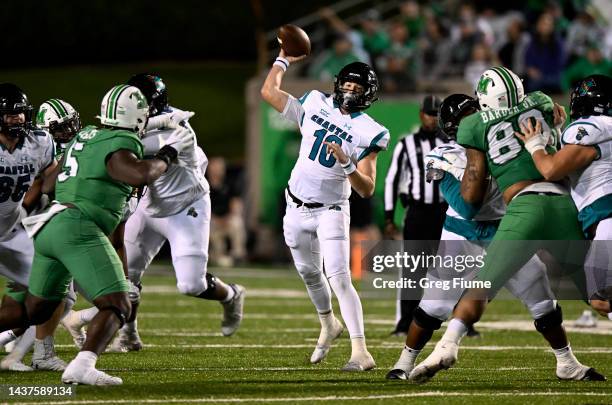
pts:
[492, 148]
[94, 180]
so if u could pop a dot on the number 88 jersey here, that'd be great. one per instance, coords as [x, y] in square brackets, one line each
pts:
[492, 132]
[84, 180]
[317, 176]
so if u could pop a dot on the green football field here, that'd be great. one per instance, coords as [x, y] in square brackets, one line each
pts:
[187, 360]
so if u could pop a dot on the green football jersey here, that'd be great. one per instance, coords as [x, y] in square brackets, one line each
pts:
[492, 131]
[84, 180]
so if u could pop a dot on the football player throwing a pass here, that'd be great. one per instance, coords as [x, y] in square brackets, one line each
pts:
[338, 151]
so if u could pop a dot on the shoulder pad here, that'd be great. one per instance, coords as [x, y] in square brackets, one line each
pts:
[584, 132]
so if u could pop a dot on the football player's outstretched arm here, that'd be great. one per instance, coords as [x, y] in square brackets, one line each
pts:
[556, 166]
[363, 176]
[125, 167]
[474, 182]
[271, 91]
[117, 238]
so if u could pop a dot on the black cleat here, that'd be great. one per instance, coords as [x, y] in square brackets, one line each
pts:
[397, 374]
[593, 375]
[472, 332]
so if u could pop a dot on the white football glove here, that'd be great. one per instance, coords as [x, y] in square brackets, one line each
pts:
[181, 139]
[168, 120]
[448, 161]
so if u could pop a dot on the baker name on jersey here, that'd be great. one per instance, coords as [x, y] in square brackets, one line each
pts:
[342, 134]
[20, 169]
[490, 115]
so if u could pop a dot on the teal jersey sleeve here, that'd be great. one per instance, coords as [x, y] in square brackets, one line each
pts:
[451, 190]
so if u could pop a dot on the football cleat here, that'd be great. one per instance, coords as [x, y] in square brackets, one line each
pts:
[586, 320]
[126, 341]
[74, 325]
[324, 343]
[581, 373]
[362, 362]
[232, 311]
[13, 362]
[443, 357]
[44, 356]
[397, 374]
[75, 374]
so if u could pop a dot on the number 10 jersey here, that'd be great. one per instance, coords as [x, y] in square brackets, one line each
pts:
[317, 176]
[492, 132]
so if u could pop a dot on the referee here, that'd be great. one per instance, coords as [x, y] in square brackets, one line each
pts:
[425, 206]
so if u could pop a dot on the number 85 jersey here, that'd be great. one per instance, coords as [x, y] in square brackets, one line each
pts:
[33, 154]
[492, 132]
[317, 176]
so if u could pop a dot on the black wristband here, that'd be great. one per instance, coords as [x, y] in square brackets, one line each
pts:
[167, 154]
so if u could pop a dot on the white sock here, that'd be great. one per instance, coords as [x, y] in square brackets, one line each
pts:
[358, 346]
[25, 343]
[86, 315]
[230, 294]
[86, 359]
[318, 291]
[455, 331]
[407, 358]
[6, 337]
[350, 304]
[566, 357]
[327, 319]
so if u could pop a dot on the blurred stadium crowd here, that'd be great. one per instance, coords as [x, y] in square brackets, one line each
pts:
[549, 44]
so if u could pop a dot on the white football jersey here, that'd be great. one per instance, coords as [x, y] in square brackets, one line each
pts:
[595, 180]
[18, 171]
[182, 184]
[317, 176]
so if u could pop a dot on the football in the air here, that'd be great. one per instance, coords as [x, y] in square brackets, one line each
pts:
[293, 40]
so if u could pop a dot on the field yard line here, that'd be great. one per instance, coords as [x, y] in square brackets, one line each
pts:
[247, 272]
[331, 398]
[251, 292]
[383, 346]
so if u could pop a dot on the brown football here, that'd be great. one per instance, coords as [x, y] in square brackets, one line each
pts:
[293, 40]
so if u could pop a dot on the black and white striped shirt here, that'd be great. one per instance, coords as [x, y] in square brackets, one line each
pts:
[406, 176]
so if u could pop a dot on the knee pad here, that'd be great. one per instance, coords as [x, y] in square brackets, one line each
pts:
[426, 321]
[550, 320]
[541, 308]
[119, 313]
[210, 287]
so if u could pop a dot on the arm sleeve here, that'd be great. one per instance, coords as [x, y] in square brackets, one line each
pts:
[451, 190]
[294, 110]
[392, 179]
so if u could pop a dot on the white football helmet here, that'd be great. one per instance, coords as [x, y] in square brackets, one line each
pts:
[59, 118]
[124, 107]
[499, 88]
